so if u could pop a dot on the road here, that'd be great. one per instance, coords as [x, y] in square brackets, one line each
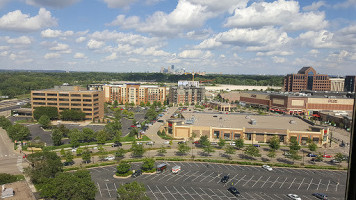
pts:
[10, 160]
[202, 181]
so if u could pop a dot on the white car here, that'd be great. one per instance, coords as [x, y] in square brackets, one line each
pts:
[110, 158]
[166, 142]
[232, 143]
[267, 167]
[294, 196]
[74, 150]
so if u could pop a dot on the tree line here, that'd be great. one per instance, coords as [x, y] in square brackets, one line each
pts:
[18, 83]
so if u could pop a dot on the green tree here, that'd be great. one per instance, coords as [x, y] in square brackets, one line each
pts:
[7, 178]
[57, 137]
[339, 157]
[239, 143]
[294, 145]
[44, 121]
[137, 149]
[271, 153]
[274, 143]
[72, 115]
[113, 128]
[88, 134]
[62, 152]
[252, 151]
[117, 114]
[183, 148]
[18, 132]
[221, 142]
[162, 150]
[64, 130]
[75, 137]
[43, 165]
[131, 191]
[51, 112]
[319, 157]
[142, 104]
[5, 123]
[133, 132]
[148, 164]
[69, 157]
[229, 150]
[294, 155]
[204, 141]
[120, 153]
[101, 136]
[208, 148]
[86, 155]
[62, 187]
[115, 104]
[102, 152]
[312, 146]
[123, 167]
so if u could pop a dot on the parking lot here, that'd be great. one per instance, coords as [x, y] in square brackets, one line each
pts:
[202, 181]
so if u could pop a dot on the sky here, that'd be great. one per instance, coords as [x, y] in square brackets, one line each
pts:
[214, 36]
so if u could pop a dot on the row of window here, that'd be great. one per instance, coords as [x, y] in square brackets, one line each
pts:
[64, 99]
[64, 95]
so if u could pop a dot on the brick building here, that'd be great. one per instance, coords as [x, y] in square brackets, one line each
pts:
[71, 98]
[306, 79]
[186, 94]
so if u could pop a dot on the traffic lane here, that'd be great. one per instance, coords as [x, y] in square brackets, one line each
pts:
[205, 176]
[8, 157]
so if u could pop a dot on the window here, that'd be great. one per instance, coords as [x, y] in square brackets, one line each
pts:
[38, 94]
[62, 99]
[64, 104]
[51, 99]
[248, 136]
[237, 136]
[52, 104]
[86, 100]
[63, 95]
[217, 134]
[52, 94]
[39, 103]
[75, 95]
[86, 95]
[76, 104]
[39, 99]
[76, 100]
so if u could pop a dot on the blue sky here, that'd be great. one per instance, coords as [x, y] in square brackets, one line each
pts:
[228, 36]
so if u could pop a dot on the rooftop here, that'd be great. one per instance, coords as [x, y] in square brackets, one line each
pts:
[243, 120]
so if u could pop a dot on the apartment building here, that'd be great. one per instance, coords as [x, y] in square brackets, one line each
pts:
[134, 93]
[186, 93]
[71, 97]
[306, 79]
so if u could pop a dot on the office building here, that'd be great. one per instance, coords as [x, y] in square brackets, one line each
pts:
[350, 85]
[306, 79]
[337, 84]
[71, 98]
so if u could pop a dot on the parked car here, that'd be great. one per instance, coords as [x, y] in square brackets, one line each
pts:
[286, 153]
[166, 142]
[234, 191]
[294, 196]
[74, 150]
[116, 144]
[160, 120]
[311, 155]
[256, 145]
[213, 143]
[327, 156]
[176, 169]
[232, 143]
[314, 160]
[136, 173]
[320, 196]
[224, 179]
[196, 142]
[150, 143]
[68, 163]
[267, 167]
[181, 142]
[334, 161]
[110, 158]
[139, 143]
[133, 126]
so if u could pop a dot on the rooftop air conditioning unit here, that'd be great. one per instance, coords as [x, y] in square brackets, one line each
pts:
[253, 122]
[292, 122]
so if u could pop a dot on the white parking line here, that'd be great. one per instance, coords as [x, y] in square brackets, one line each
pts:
[182, 175]
[218, 165]
[217, 176]
[291, 183]
[306, 197]
[196, 193]
[199, 176]
[206, 176]
[336, 186]
[171, 193]
[310, 183]
[206, 193]
[278, 197]
[248, 180]
[214, 193]
[301, 183]
[95, 170]
[190, 176]
[317, 188]
[265, 182]
[181, 194]
[115, 187]
[274, 182]
[257, 181]
[108, 189]
[161, 192]
[327, 187]
[248, 195]
[259, 196]
[152, 192]
[99, 190]
[283, 182]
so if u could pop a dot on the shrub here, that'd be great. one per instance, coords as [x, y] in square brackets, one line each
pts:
[7, 178]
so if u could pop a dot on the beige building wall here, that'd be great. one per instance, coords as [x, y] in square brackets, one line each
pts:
[337, 84]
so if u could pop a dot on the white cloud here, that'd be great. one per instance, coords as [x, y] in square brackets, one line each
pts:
[79, 56]
[4, 48]
[119, 3]
[198, 34]
[52, 55]
[314, 6]
[94, 44]
[60, 47]
[24, 40]
[278, 59]
[113, 56]
[278, 13]
[52, 3]
[253, 39]
[346, 4]
[313, 51]
[49, 33]
[80, 39]
[319, 39]
[195, 54]
[275, 52]
[188, 15]
[17, 21]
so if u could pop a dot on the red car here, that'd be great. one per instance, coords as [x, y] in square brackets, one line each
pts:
[326, 156]
[133, 126]
[196, 142]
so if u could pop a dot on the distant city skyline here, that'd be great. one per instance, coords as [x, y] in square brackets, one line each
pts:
[229, 36]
